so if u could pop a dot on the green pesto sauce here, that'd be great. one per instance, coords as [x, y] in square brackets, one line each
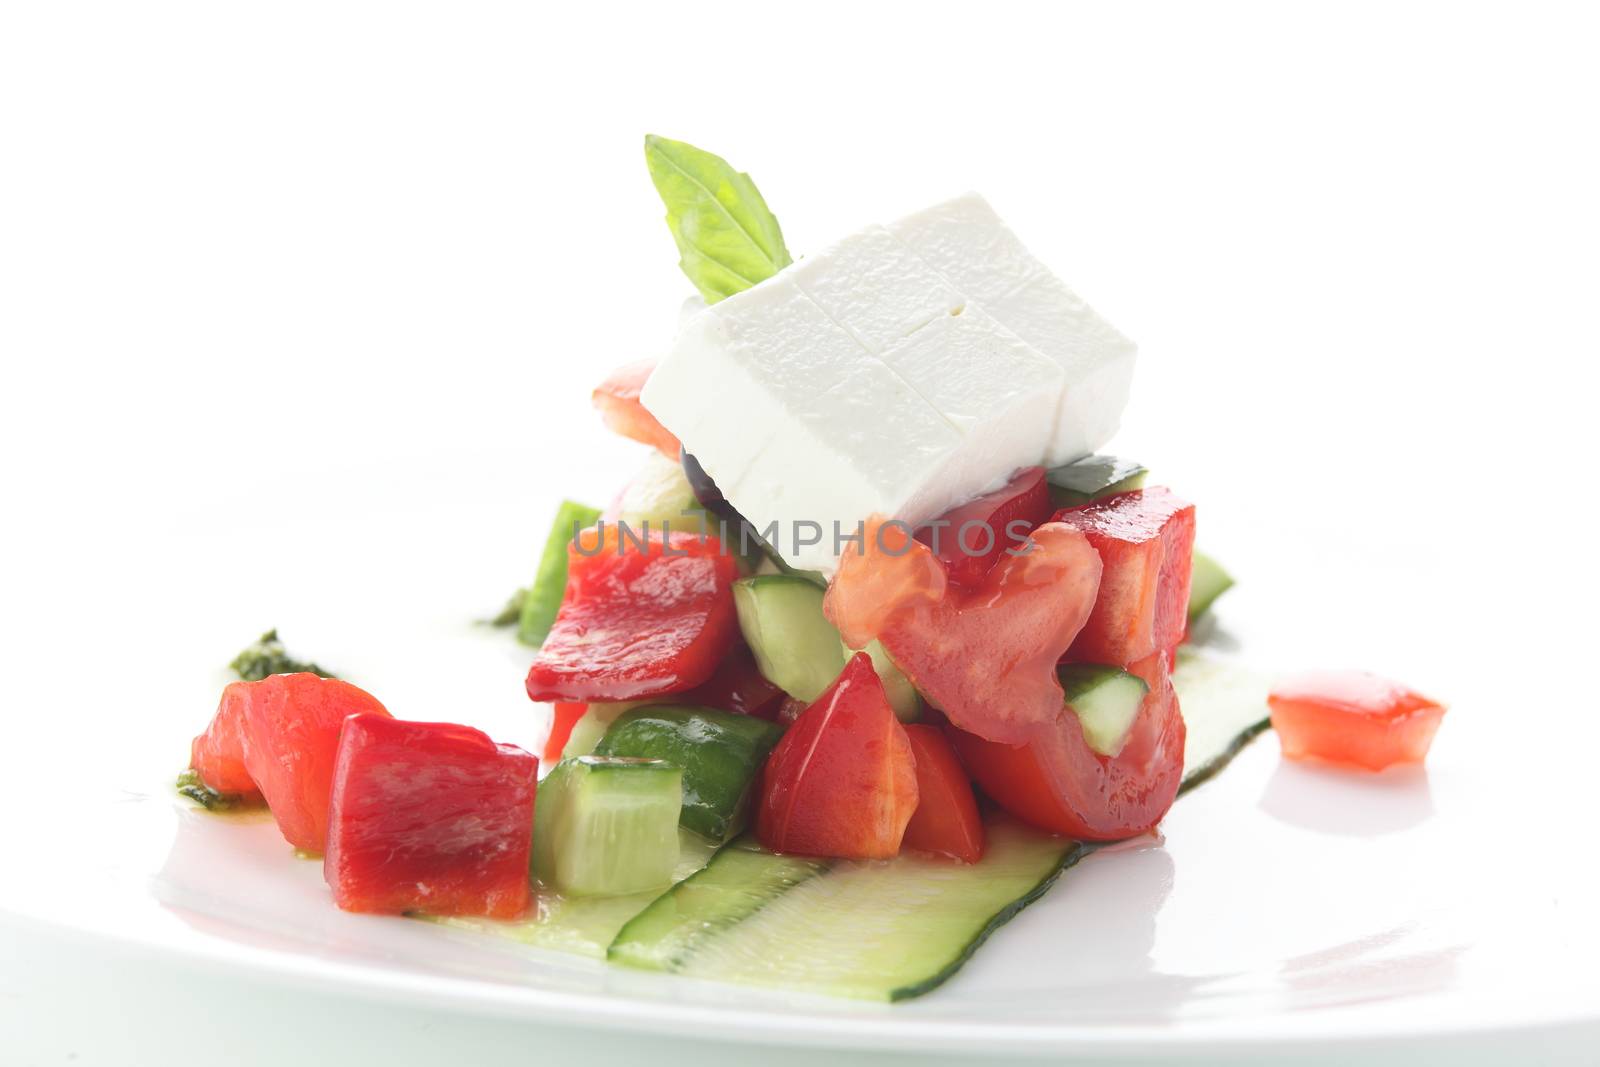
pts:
[190, 785]
[268, 656]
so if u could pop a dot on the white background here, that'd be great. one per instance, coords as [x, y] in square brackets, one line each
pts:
[259, 261]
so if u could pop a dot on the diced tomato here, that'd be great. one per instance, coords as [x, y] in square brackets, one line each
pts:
[617, 398]
[1353, 718]
[1146, 541]
[946, 820]
[563, 717]
[218, 754]
[638, 620]
[738, 686]
[842, 782]
[1058, 783]
[985, 657]
[429, 816]
[291, 733]
[970, 539]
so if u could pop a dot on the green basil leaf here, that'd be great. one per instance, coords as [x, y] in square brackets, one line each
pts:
[727, 238]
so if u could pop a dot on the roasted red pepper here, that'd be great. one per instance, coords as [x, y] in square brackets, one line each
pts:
[1146, 542]
[643, 616]
[429, 816]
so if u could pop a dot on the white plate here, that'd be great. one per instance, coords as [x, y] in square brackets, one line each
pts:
[1286, 908]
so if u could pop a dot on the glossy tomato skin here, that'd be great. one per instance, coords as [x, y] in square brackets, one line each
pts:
[428, 816]
[1058, 783]
[738, 686]
[986, 657]
[1146, 542]
[563, 717]
[638, 619]
[971, 539]
[617, 399]
[218, 754]
[842, 782]
[291, 734]
[946, 821]
[1353, 718]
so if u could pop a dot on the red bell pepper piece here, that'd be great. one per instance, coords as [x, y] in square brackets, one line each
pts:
[429, 816]
[291, 732]
[563, 717]
[218, 754]
[639, 619]
[1146, 542]
[738, 686]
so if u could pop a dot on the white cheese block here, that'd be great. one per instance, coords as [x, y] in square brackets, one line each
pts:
[798, 424]
[876, 288]
[899, 372]
[998, 391]
[968, 243]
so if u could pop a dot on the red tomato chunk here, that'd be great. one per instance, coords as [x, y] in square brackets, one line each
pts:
[970, 539]
[638, 619]
[429, 816]
[1058, 783]
[985, 657]
[617, 399]
[842, 782]
[290, 734]
[1146, 542]
[1353, 718]
[946, 821]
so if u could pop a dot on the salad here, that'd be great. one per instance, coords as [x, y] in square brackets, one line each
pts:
[873, 648]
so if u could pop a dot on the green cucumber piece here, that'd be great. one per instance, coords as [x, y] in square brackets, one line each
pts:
[607, 826]
[1224, 709]
[739, 881]
[796, 647]
[592, 726]
[773, 563]
[720, 753]
[661, 496]
[875, 931]
[1207, 581]
[1106, 701]
[896, 929]
[1091, 478]
[903, 696]
[584, 926]
[542, 599]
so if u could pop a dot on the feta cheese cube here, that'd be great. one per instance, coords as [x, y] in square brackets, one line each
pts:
[876, 288]
[899, 372]
[967, 242]
[996, 390]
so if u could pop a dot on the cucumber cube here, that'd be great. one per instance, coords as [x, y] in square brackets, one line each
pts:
[1091, 478]
[720, 752]
[606, 826]
[1106, 701]
[1207, 582]
[796, 647]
